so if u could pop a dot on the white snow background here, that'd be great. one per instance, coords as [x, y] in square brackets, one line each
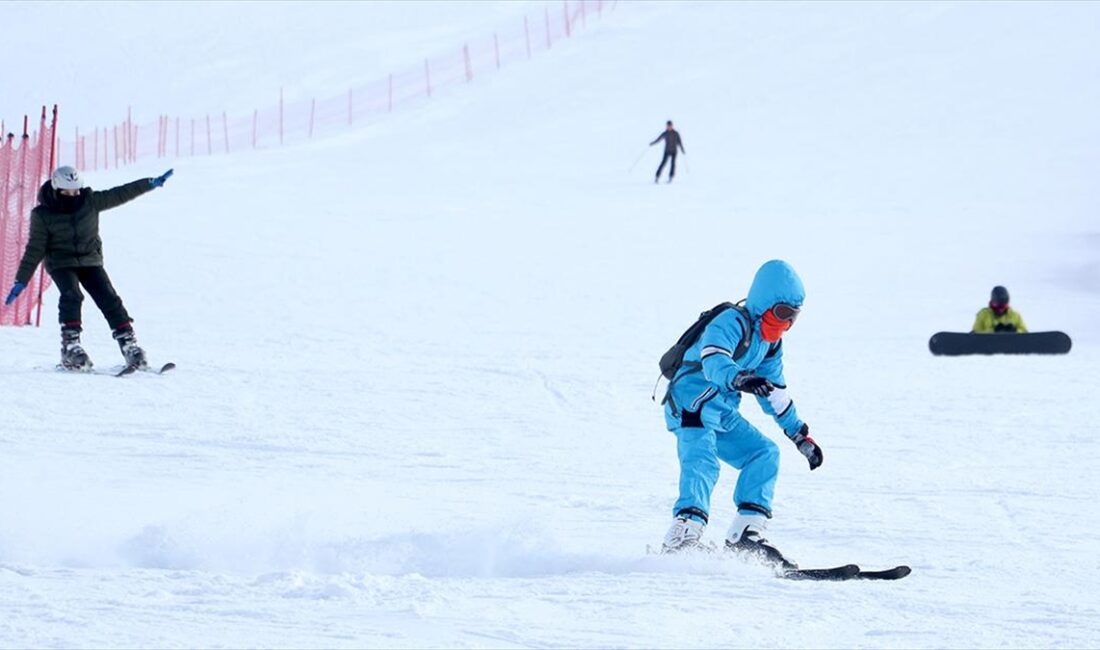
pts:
[412, 407]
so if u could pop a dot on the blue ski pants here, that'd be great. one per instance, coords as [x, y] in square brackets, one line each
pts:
[741, 446]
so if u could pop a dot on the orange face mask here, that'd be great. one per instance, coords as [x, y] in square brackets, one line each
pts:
[771, 328]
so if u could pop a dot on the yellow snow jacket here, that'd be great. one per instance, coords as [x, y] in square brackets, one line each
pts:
[989, 322]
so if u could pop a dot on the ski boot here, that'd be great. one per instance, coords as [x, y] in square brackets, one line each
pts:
[73, 356]
[127, 343]
[685, 534]
[746, 538]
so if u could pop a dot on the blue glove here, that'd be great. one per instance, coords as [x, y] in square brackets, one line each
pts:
[16, 289]
[159, 180]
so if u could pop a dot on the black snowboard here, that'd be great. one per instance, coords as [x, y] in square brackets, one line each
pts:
[957, 343]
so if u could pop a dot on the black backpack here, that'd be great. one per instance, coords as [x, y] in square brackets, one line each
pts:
[673, 360]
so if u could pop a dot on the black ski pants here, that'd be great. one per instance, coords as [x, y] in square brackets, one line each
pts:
[98, 285]
[669, 155]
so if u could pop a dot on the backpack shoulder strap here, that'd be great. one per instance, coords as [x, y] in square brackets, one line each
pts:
[746, 331]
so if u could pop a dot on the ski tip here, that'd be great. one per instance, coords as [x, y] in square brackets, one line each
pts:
[897, 573]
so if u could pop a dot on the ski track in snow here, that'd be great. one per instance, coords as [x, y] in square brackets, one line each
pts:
[416, 412]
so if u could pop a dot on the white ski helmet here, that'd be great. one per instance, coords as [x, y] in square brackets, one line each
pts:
[66, 178]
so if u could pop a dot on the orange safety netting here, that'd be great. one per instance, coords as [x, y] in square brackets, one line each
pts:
[287, 122]
[24, 165]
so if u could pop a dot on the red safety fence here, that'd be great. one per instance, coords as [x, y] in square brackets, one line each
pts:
[24, 166]
[298, 121]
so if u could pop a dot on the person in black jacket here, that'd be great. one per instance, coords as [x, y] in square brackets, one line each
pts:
[672, 141]
[65, 233]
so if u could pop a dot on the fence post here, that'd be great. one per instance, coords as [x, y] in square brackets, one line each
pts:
[76, 149]
[565, 15]
[106, 157]
[126, 139]
[177, 137]
[428, 77]
[133, 145]
[527, 34]
[116, 146]
[24, 150]
[496, 49]
[53, 146]
[312, 110]
[469, 68]
[225, 126]
[548, 40]
[95, 149]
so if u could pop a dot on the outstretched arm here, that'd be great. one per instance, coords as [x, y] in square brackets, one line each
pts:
[659, 138]
[116, 196]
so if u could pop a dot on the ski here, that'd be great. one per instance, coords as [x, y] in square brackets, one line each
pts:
[87, 370]
[897, 573]
[846, 572]
[129, 370]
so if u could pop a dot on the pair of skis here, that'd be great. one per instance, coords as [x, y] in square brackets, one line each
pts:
[788, 570]
[846, 572]
[126, 370]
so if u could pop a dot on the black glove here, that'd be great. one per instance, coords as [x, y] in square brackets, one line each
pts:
[808, 447]
[747, 382]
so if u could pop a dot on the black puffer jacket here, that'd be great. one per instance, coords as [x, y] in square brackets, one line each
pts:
[66, 233]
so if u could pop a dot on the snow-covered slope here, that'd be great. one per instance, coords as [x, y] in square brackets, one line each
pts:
[412, 407]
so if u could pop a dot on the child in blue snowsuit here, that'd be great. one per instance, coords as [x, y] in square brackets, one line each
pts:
[702, 410]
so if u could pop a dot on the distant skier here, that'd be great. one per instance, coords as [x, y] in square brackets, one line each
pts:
[672, 141]
[998, 317]
[739, 351]
[65, 232]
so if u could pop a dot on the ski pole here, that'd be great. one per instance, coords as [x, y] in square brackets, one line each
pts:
[637, 160]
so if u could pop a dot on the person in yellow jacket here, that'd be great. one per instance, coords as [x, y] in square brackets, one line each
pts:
[998, 317]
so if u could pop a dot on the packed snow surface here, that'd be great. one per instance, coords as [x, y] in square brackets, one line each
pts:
[412, 407]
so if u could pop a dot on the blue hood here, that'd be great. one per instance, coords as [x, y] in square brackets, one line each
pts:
[774, 283]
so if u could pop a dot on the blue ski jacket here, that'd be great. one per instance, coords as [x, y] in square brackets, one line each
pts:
[703, 395]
